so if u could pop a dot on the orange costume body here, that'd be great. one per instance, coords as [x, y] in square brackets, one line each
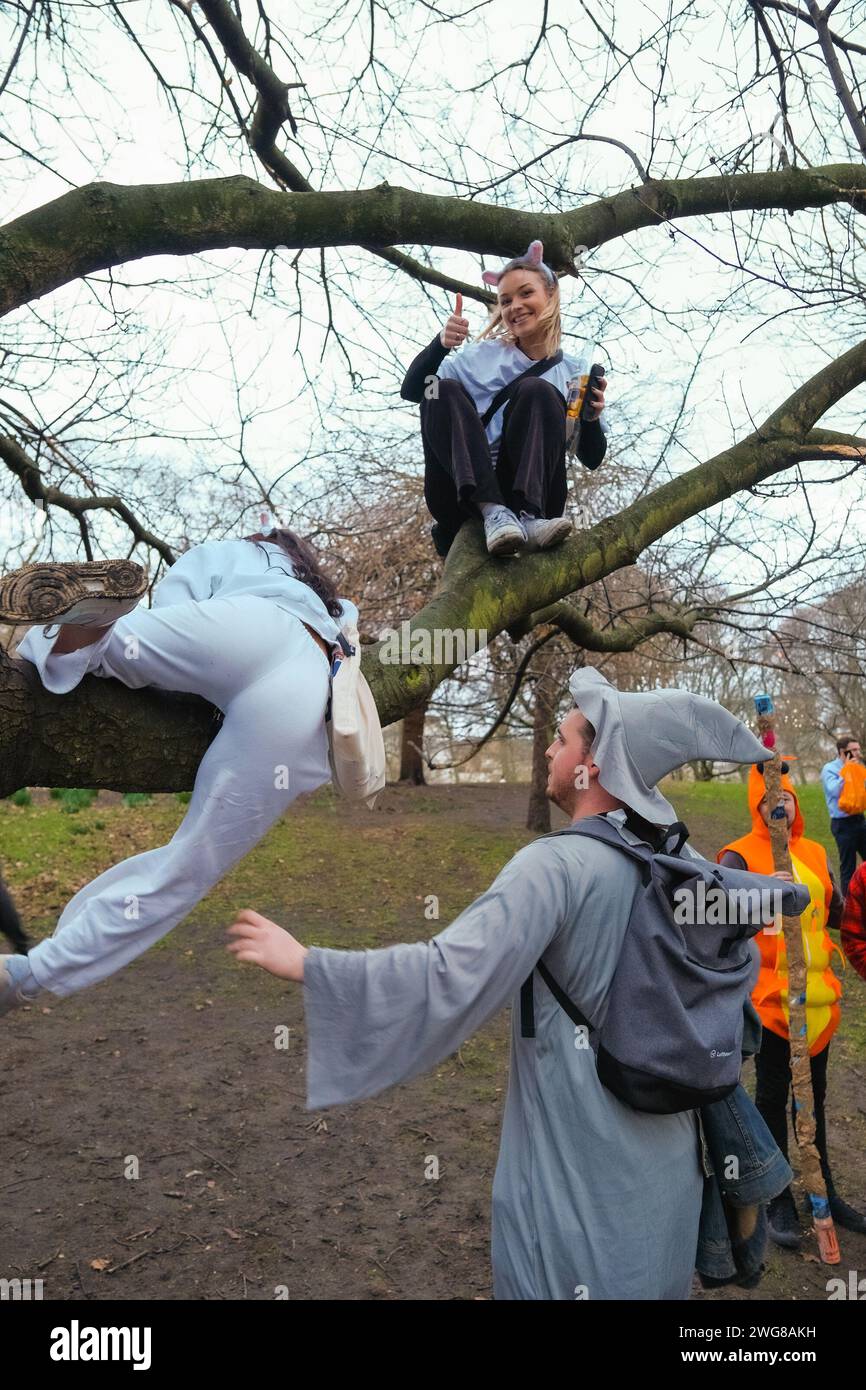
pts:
[809, 864]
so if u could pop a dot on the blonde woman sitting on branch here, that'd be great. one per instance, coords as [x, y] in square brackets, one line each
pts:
[493, 416]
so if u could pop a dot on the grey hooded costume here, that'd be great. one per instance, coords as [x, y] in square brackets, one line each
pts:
[591, 1199]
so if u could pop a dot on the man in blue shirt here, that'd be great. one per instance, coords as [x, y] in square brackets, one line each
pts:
[849, 831]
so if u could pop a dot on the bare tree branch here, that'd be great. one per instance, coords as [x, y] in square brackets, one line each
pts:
[18, 462]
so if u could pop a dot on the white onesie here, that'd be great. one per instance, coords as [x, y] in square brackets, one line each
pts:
[227, 624]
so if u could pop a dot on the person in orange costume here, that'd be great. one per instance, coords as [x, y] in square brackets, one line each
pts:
[770, 995]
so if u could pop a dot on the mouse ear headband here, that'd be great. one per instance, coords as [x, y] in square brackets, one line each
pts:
[530, 260]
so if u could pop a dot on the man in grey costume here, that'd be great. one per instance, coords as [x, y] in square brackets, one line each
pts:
[591, 1199]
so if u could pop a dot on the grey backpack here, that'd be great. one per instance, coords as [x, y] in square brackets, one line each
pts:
[672, 1035]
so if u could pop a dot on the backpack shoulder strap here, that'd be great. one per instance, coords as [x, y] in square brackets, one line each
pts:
[537, 369]
[655, 838]
[594, 828]
[597, 828]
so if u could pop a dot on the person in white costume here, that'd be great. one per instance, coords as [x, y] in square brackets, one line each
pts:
[233, 622]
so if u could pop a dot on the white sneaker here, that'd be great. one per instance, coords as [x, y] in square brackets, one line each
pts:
[86, 593]
[503, 532]
[541, 534]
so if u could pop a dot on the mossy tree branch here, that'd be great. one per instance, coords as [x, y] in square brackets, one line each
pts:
[104, 225]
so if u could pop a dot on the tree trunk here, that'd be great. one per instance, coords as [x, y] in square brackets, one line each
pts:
[411, 747]
[101, 734]
[543, 719]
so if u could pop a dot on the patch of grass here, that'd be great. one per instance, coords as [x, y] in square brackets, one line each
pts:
[20, 798]
[39, 840]
[75, 799]
[137, 798]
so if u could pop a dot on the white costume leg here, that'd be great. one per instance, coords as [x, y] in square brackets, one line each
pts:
[257, 662]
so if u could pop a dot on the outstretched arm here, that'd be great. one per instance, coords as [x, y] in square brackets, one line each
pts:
[375, 1018]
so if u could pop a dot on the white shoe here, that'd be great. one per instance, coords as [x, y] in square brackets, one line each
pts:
[503, 532]
[541, 534]
[87, 593]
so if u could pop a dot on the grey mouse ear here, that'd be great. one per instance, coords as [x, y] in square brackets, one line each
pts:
[491, 277]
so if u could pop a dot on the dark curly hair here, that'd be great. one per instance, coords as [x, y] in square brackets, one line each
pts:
[305, 565]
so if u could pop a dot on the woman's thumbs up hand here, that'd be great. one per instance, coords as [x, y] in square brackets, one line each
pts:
[456, 330]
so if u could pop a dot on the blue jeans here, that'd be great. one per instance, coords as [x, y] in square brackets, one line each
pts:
[743, 1167]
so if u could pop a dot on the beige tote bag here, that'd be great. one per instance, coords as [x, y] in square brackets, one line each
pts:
[356, 748]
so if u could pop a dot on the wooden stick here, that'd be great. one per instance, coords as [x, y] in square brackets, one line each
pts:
[792, 932]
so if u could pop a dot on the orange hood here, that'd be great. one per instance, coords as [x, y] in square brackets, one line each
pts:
[757, 791]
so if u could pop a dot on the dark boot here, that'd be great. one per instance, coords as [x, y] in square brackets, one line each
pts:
[844, 1215]
[783, 1223]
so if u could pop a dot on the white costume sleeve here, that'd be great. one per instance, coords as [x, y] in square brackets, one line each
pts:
[190, 577]
[378, 1017]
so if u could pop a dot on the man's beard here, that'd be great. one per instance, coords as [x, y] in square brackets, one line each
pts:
[565, 801]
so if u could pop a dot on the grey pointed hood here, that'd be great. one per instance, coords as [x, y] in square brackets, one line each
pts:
[641, 737]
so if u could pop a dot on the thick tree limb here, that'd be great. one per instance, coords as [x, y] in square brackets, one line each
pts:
[99, 735]
[479, 594]
[159, 741]
[104, 224]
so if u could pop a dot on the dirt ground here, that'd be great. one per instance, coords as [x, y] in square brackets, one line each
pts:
[154, 1139]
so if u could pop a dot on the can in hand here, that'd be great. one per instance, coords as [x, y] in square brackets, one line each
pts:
[578, 403]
